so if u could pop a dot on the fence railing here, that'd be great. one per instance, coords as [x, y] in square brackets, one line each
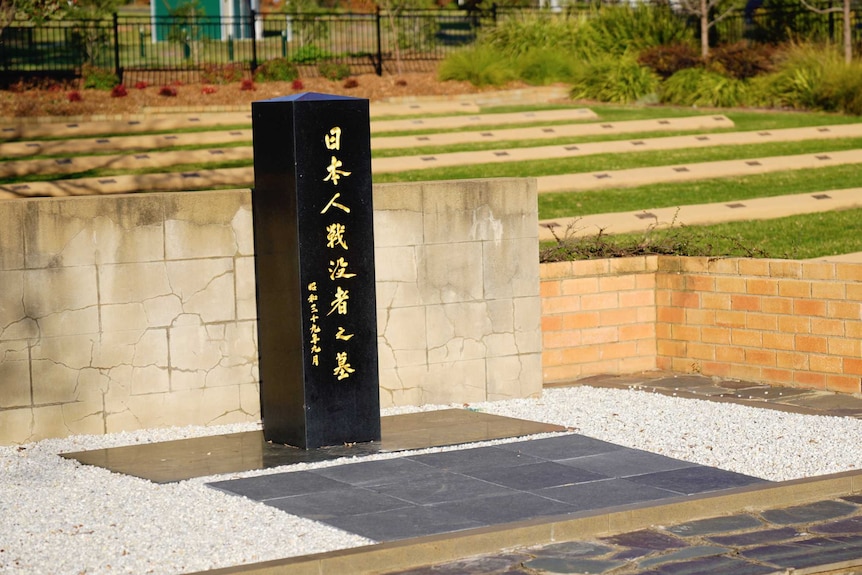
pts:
[186, 48]
[209, 48]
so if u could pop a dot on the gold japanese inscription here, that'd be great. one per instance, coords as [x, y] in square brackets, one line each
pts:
[342, 367]
[339, 304]
[333, 171]
[342, 335]
[333, 139]
[338, 269]
[332, 203]
[335, 235]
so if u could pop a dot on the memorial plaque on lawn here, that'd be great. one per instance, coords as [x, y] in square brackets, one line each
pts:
[314, 261]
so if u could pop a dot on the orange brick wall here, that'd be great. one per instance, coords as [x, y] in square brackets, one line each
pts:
[598, 316]
[773, 321]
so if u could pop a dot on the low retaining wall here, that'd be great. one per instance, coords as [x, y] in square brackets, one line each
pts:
[127, 312]
[774, 321]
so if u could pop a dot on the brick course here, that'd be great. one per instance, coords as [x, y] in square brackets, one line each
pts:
[773, 321]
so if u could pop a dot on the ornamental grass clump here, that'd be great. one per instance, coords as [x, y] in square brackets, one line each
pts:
[614, 80]
[703, 88]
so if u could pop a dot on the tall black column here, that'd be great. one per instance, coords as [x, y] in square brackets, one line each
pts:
[314, 261]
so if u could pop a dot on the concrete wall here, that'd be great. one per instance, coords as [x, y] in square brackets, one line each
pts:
[774, 321]
[126, 312]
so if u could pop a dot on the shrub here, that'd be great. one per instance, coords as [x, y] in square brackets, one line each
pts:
[814, 78]
[520, 33]
[742, 60]
[74, 96]
[168, 91]
[277, 70]
[140, 85]
[334, 70]
[351, 83]
[297, 84]
[615, 80]
[222, 73]
[309, 54]
[119, 91]
[208, 89]
[617, 29]
[247, 85]
[701, 87]
[668, 59]
[98, 78]
[545, 66]
[480, 65]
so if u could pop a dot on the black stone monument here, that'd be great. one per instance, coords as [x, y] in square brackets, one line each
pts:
[314, 260]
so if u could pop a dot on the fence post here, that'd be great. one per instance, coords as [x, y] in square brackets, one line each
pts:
[117, 69]
[378, 65]
[253, 16]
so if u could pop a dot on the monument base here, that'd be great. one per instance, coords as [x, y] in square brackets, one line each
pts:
[171, 461]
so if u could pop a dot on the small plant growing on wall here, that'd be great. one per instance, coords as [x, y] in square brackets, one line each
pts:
[119, 91]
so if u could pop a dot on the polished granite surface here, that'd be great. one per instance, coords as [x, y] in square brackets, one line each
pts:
[214, 455]
[444, 492]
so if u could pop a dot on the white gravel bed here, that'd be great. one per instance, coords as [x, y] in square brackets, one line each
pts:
[59, 517]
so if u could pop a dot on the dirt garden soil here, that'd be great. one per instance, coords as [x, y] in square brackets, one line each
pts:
[69, 101]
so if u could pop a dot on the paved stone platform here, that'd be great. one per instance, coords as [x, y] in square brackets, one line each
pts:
[814, 537]
[446, 492]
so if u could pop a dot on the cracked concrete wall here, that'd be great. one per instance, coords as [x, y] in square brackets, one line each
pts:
[459, 315]
[128, 312]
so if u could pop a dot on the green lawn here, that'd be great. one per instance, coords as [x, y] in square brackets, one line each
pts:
[796, 237]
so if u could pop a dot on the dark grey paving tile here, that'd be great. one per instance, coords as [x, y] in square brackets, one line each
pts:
[571, 549]
[404, 523]
[689, 553]
[809, 513]
[689, 480]
[499, 509]
[711, 566]
[626, 463]
[266, 487]
[562, 447]
[370, 473]
[604, 493]
[534, 476]
[467, 459]
[441, 488]
[715, 525]
[849, 525]
[331, 504]
[857, 499]
[803, 554]
[759, 537]
[572, 565]
[647, 539]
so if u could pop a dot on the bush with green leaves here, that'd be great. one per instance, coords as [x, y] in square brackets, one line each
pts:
[334, 70]
[277, 70]
[616, 80]
[481, 65]
[98, 78]
[811, 77]
[668, 59]
[521, 32]
[702, 87]
[622, 28]
[309, 54]
[544, 66]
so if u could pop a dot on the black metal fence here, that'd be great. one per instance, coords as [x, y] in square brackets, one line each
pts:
[162, 49]
[213, 48]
